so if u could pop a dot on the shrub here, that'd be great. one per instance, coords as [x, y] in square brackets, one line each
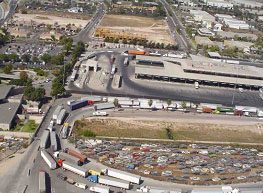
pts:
[89, 133]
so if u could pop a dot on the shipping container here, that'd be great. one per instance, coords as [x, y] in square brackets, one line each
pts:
[79, 104]
[53, 139]
[76, 169]
[69, 158]
[61, 117]
[206, 110]
[225, 109]
[56, 112]
[103, 106]
[114, 182]
[82, 158]
[100, 189]
[44, 139]
[48, 159]
[42, 182]
[124, 175]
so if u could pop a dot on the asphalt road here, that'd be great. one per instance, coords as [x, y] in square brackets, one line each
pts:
[132, 87]
[13, 5]
[85, 34]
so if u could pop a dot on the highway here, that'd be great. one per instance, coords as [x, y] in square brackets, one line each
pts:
[12, 5]
[187, 43]
[85, 34]
[137, 88]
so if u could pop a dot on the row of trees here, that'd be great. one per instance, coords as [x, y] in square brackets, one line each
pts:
[144, 43]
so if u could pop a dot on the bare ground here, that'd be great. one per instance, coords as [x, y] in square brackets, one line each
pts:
[155, 30]
[139, 128]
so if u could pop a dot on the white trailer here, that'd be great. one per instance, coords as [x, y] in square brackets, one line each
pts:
[50, 126]
[103, 106]
[114, 182]
[42, 181]
[65, 131]
[100, 113]
[56, 112]
[247, 109]
[124, 175]
[44, 139]
[48, 159]
[145, 105]
[81, 185]
[100, 189]
[126, 61]
[61, 116]
[53, 139]
[73, 75]
[74, 168]
[92, 98]
[69, 158]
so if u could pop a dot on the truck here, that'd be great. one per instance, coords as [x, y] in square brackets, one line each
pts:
[225, 109]
[112, 58]
[103, 106]
[99, 189]
[70, 102]
[56, 112]
[113, 69]
[93, 178]
[73, 75]
[70, 181]
[50, 126]
[69, 158]
[44, 139]
[100, 113]
[126, 62]
[78, 104]
[138, 52]
[74, 168]
[53, 139]
[181, 56]
[82, 158]
[48, 159]
[123, 175]
[65, 130]
[93, 172]
[61, 117]
[42, 181]
[196, 85]
[81, 185]
[114, 182]
[33, 110]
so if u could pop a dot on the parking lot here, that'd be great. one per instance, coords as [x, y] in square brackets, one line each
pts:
[179, 163]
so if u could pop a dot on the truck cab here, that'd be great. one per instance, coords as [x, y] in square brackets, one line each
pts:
[196, 85]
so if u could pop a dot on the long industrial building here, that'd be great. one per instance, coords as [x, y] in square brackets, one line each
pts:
[204, 70]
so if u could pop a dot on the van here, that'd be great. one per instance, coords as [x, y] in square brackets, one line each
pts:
[196, 85]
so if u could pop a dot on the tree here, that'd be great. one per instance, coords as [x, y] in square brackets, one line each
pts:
[150, 103]
[124, 41]
[23, 75]
[46, 58]
[8, 69]
[169, 101]
[67, 47]
[57, 86]
[184, 105]
[13, 57]
[48, 27]
[26, 58]
[34, 94]
[56, 72]
[116, 102]
[35, 59]
[3, 57]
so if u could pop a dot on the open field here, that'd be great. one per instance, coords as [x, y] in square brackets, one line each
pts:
[50, 19]
[155, 30]
[138, 128]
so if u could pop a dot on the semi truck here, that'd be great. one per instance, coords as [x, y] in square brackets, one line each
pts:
[93, 172]
[53, 139]
[56, 112]
[82, 158]
[74, 168]
[103, 106]
[42, 182]
[48, 159]
[123, 175]
[93, 178]
[78, 104]
[50, 126]
[44, 139]
[61, 116]
[69, 158]
[65, 131]
[99, 189]
[33, 110]
[114, 182]
[100, 113]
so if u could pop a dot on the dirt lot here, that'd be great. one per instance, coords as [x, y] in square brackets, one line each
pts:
[155, 30]
[51, 19]
[138, 128]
